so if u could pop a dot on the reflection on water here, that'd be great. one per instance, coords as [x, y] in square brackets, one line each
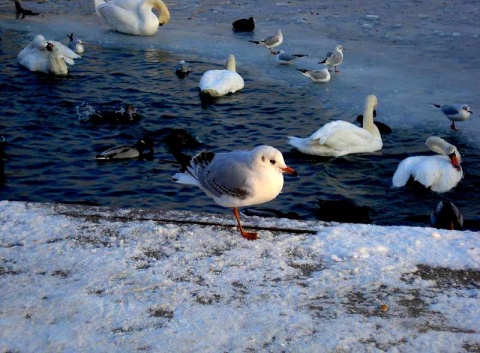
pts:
[52, 144]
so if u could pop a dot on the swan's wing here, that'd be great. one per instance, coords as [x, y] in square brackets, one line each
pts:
[117, 17]
[65, 52]
[130, 5]
[337, 127]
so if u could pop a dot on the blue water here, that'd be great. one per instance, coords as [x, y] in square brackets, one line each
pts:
[51, 147]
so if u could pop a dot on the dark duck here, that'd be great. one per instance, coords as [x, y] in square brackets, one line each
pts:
[244, 25]
[143, 149]
[125, 115]
[21, 12]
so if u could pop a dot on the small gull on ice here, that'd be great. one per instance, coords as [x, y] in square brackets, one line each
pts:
[285, 58]
[457, 112]
[270, 42]
[239, 178]
[316, 76]
[334, 58]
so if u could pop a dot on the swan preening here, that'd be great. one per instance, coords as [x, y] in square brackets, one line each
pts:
[217, 83]
[133, 16]
[47, 56]
[440, 172]
[339, 138]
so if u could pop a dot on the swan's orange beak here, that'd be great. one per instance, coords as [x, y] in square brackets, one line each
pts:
[455, 162]
[289, 170]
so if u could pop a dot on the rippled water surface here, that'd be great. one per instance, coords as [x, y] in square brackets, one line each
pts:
[51, 149]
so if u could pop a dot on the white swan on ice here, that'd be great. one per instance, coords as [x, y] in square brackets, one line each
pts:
[133, 16]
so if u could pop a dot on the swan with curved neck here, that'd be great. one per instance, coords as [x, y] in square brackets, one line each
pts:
[440, 173]
[339, 138]
[133, 16]
[217, 83]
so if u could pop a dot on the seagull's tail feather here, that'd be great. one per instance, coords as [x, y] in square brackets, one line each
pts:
[437, 105]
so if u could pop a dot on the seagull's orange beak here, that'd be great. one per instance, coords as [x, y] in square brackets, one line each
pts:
[289, 170]
[455, 162]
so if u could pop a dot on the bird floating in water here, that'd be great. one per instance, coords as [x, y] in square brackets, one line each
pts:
[133, 17]
[446, 216]
[128, 152]
[457, 112]
[334, 58]
[75, 44]
[339, 138]
[21, 12]
[271, 41]
[244, 25]
[182, 69]
[316, 76]
[440, 172]
[217, 83]
[237, 179]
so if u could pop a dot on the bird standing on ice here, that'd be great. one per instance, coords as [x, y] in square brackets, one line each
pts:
[133, 17]
[338, 138]
[217, 83]
[270, 42]
[458, 112]
[440, 173]
[285, 58]
[244, 25]
[334, 58]
[239, 178]
[316, 76]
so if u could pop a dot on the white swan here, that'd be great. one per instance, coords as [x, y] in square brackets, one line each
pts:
[133, 16]
[47, 56]
[217, 83]
[440, 173]
[339, 138]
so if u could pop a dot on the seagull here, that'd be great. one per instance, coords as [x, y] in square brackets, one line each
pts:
[125, 152]
[316, 76]
[237, 179]
[21, 12]
[76, 44]
[446, 216]
[270, 42]
[334, 58]
[182, 69]
[457, 112]
[284, 58]
[244, 25]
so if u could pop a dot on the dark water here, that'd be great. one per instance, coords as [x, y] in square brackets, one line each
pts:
[51, 149]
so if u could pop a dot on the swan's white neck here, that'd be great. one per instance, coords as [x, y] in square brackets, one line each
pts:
[368, 124]
[231, 66]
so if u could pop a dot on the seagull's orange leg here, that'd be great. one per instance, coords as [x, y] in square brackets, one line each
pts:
[246, 235]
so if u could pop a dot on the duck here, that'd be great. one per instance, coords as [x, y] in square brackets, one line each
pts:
[35, 56]
[217, 83]
[244, 25]
[133, 17]
[455, 112]
[21, 12]
[128, 152]
[334, 58]
[446, 216]
[316, 76]
[440, 173]
[285, 58]
[182, 69]
[339, 138]
[127, 114]
[75, 45]
[271, 41]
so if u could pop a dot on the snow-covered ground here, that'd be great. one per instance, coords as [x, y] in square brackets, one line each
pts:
[82, 279]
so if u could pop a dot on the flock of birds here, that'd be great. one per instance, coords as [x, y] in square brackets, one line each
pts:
[245, 178]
